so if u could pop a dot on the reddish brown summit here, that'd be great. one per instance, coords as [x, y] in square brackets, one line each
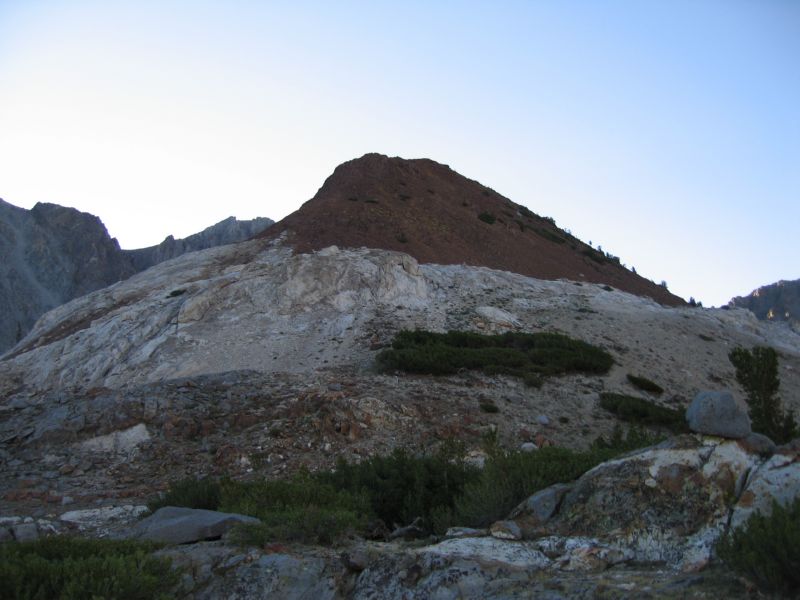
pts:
[434, 214]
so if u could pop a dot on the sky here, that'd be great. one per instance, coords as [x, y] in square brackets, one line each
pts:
[668, 133]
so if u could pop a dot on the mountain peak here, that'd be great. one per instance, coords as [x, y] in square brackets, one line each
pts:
[427, 210]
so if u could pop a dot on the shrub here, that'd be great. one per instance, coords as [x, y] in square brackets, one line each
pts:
[765, 549]
[303, 508]
[190, 492]
[401, 487]
[643, 412]
[510, 476]
[594, 255]
[488, 406]
[487, 217]
[530, 356]
[757, 373]
[635, 438]
[549, 235]
[645, 384]
[306, 525]
[75, 568]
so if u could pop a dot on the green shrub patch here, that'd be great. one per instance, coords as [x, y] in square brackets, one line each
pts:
[643, 412]
[191, 493]
[441, 489]
[74, 568]
[530, 356]
[645, 384]
[765, 549]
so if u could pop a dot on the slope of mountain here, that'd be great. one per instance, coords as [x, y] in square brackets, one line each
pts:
[775, 302]
[429, 211]
[227, 231]
[52, 254]
[250, 360]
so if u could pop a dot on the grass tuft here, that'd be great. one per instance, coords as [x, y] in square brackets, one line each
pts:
[643, 412]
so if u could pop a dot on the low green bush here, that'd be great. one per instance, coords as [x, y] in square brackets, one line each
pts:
[766, 550]
[303, 508]
[73, 568]
[307, 525]
[594, 255]
[510, 476]
[634, 439]
[487, 217]
[549, 235]
[530, 356]
[645, 384]
[643, 412]
[402, 487]
[190, 492]
[442, 489]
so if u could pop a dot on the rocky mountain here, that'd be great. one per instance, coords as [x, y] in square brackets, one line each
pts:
[775, 302]
[259, 360]
[427, 210]
[50, 255]
[253, 360]
[53, 254]
[227, 231]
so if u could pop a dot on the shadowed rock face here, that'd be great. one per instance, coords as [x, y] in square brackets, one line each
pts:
[225, 232]
[52, 254]
[429, 211]
[775, 302]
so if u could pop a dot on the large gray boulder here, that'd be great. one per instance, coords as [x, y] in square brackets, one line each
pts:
[718, 413]
[178, 525]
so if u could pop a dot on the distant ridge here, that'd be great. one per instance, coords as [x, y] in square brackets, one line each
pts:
[778, 301]
[434, 214]
[52, 254]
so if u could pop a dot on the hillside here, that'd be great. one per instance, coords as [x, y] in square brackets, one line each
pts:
[249, 361]
[427, 210]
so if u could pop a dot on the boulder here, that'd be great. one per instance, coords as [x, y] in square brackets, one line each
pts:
[178, 525]
[542, 505]
[505, 530]
[25, 532]
[777, 479]
[757, 443]
[718, 413]
[665, 503]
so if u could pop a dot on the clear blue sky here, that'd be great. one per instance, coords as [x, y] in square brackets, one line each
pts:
[667, 132]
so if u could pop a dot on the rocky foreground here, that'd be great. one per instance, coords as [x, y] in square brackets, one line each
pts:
[640, 526]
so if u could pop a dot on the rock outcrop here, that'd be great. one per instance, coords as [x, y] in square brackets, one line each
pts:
[227, 231]
[775, 302]
[274, 311]
[52, 254]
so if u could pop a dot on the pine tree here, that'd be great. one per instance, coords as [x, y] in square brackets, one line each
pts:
[757, 373]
